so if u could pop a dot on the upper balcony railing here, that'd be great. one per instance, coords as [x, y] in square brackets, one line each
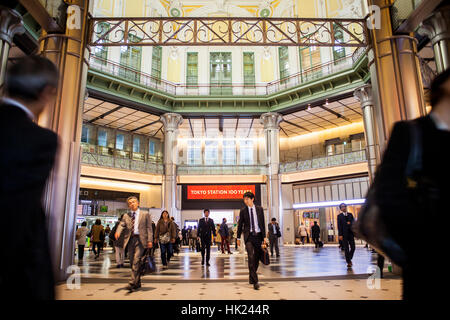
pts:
[324, 162]
[220, 169]
[182, 89]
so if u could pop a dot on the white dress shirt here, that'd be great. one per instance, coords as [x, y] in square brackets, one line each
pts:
[20, 106]
[255, 219]
[136, 220]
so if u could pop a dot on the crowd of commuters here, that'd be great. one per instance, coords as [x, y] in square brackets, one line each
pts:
[410, 184]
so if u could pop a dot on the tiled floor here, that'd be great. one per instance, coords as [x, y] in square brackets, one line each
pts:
[300, 273]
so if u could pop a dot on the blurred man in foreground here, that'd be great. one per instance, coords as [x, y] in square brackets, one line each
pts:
[28, 153]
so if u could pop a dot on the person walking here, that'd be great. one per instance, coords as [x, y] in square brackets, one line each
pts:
[345, 222]
[28, 155]
[315, 234]
[184, 236]
[80, 236]
[273, 233]
[224, 235]
[302, 232]
[193, 238]
[136, 228]
[165, 235]
[177, 243]
[251, 224]
[97, 236]
[206, 231]
[119, 250]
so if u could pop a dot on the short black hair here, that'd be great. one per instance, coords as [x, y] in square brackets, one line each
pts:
[342, 204]
[274, 219]
[83, 224]
[27, 77]
[206, 210]
[249, 194]
[436, 91]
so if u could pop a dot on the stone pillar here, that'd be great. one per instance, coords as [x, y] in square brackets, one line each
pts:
[437, 28]
[68, 51]
[395, 74]
[171, 122]
[271, 122]
[364, 95]
[11, 23]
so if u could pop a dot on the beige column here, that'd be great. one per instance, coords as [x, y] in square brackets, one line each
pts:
[271, 122]
[171, 122]
[11, 23]
[364, 95]
[437, 28]
[395, 74]
[68, 51]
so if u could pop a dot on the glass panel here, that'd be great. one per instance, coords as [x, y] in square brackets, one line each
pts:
[156, 64]
[194, 152]
[102, 138]
[338, 52]
[192, 68]
[249, 68]
[131, 58]
[100, 51]
[136, 144]
[246, 151]
[211, 152]
[151, 148]
[119, 141]
[284, 63]
[220, 73]
[85, 134]
[309, 59]
[229, 152]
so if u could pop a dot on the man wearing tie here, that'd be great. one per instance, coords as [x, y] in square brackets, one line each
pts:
[251, 223]
[345, 222]
[138, 234]
[206, 228]
[273, 234]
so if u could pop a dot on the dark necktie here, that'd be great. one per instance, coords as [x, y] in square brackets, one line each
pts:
[133, 216]
[252, 221]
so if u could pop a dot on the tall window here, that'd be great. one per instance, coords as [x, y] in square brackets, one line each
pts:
[156, 64]
[192, 68]
[249, 68]
[220, 73]
[283, 56]
[151, 148]
[102, 138]
[229, 152]
[211, 152]
[119, 141]
[101, 52]
[130, 57]
[338, 52]
[85, 134]
[246, 151]
[136, 144]
[309, 58]
[194, 152]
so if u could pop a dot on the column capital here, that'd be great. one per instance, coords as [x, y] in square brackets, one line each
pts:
[364, 95]
[171, 121]
[437, 25]
[271, 120]
[11, 23]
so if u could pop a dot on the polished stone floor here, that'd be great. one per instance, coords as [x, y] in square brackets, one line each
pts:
[301, 272]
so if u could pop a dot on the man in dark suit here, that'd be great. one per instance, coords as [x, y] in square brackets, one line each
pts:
[206, 229]
[251, 223]
[26, 161]
[315, 234]
[273, 233]
[345, 222]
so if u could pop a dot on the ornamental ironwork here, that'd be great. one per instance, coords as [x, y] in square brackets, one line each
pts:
[185, 31]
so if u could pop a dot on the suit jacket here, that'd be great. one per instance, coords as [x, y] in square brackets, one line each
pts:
[205, 230]
[244, 223]
[144, 227]
[270, 230]
[27, 157]
[344, 228]
[315, 231]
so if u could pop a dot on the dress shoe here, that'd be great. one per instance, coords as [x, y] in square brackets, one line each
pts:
[130, 288]
[207, 264]
[278, 255]
[256, 286]
[203, 262]
[230, 252]
[349, 265]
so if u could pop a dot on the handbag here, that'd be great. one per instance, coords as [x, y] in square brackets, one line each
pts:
[265, 258]
[148, 264]
[164, 238]
[370, 225]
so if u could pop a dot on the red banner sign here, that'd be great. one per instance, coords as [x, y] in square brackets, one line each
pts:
[218, 192]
